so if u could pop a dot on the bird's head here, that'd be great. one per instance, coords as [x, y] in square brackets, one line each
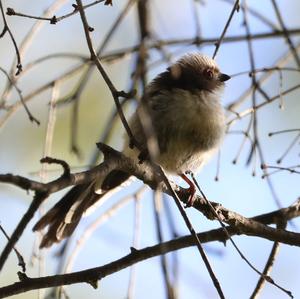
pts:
[197, 71]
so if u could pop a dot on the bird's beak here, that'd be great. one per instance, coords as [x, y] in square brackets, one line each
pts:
[224, 77]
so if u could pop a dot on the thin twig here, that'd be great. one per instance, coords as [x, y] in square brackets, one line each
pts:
[7, 29]
[262, 275]
[157, 200]
[47, 152]
[294, 141]
[286, 33]
[266, 69]
[255, 85]
[53, 19]
[259, 106]
[255, 13]
[76, 94]
[283, 131]
[31, 117]
[196, 19]
[246, 135]
[235, 8]
[281, 61]
[21, 261]
[174, 235]
[135, 244]
[39, 198]
[193, 233]
[115, 93]
[25, 44]
[268, 267]
[291, 169]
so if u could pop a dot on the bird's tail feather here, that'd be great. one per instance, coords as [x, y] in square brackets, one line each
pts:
[64, 217]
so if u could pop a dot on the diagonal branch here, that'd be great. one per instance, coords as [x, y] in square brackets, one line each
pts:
[116, 160]
[7, 29]
[92, 275]
[235, 8]
[286, 33]
[115, 93]
[53, 19]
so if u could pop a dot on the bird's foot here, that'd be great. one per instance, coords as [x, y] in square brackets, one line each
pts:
[191, 191]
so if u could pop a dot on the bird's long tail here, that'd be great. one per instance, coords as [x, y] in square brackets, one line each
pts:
[63, 218]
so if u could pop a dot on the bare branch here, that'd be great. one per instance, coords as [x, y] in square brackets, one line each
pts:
[286, 33]
[31, 117]
[235, 7]
[92, 275]
[53, 19]
[115, 93]
[7, 29]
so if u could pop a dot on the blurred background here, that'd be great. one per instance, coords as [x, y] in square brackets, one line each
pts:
[240, 186]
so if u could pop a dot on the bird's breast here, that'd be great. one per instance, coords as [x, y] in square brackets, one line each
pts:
[190, 131]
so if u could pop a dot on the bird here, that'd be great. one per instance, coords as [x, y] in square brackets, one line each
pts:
[183, 104]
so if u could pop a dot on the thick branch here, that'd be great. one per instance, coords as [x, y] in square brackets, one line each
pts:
[116, 160]
[92, 275]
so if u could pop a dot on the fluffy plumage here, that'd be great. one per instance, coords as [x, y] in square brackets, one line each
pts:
[188, 120]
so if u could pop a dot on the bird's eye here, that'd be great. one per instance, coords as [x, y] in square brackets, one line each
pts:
[208, 73]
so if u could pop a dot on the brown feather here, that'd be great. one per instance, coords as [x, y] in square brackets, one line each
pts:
[64, 217]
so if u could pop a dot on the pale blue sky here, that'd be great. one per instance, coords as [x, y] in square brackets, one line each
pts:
[22, 147]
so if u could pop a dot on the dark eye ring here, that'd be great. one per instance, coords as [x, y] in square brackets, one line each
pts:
[208, 73]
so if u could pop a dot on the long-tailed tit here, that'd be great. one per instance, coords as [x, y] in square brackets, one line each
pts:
[187, 119]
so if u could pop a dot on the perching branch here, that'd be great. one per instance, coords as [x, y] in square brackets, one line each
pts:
[116, 160]
[147, 54]
[91, 276]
